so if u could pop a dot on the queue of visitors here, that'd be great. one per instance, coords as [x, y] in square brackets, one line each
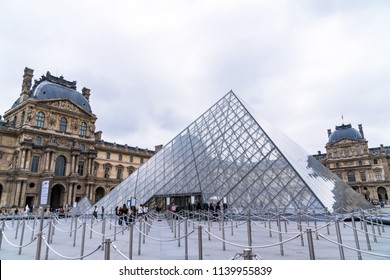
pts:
[126, 215]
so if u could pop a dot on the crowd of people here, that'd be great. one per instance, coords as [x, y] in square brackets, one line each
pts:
[130, 215]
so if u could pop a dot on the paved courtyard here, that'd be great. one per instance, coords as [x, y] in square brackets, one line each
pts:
[294, 237]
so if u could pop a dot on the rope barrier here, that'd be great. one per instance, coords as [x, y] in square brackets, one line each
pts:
[18, 246]
[69, 258]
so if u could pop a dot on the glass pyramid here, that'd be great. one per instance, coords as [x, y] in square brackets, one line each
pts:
[227, 156]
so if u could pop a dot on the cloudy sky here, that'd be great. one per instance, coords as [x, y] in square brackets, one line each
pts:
[154, 66]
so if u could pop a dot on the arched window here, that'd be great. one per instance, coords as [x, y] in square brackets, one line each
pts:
[63, 124]
[40, 119]
[351, 176]
[60, 166]
[83, 129]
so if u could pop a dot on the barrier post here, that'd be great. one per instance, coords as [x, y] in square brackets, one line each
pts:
[310, 244]
[356, 238]
[339, 240]
[39, 235]
[131, 225]
[83, 239]
[185, 239]
[200, 245]
[107, 249]
[247, 255]
[21, 237]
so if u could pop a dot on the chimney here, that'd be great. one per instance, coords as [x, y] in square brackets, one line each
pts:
[361, 130]
[86, 92]
[158, 148]
[329, 132]
[26, 85]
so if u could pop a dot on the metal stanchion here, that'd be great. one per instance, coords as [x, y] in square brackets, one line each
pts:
[75, 232]
[17, 228]
[21, 237]
[131, 225]
[373, 229]
[315, 224]
[339, 240]
[139, 237]
[223, 232]
[48, 238]
[366, 234]
[200, 245]
[247, 255]
[310, 244]
[185, 240]
[83, 239]
[280, 235]
[103, 230]
[269, 227]
[249, 228]
[33, 230]
[39, 241]
[107, 249]
[178, 232]
[356, 238]
[300, 228]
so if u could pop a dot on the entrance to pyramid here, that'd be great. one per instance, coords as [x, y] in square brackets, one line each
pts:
[177, 202]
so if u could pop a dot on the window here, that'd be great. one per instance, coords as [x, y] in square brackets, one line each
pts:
[35, 164]
[363, 176]
[40, 119]
[38, 140]
[82, 147]
[378, 175]
[120, 157]
[63, 124]
[360, 162]
[141, 160]
[346, 152]
[375, 161]
[108, 155]
[60, 166]
[83, 129]
[131, 158]
[335, 153]
[119, 173]
[80, 168]
[107, 172]
[351, 176]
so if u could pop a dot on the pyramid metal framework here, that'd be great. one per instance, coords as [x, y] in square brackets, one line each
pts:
[226, 155]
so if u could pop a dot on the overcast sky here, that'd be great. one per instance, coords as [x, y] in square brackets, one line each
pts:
[153, 67]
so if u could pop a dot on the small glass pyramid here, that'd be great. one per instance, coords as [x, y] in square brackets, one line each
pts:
[228, 156]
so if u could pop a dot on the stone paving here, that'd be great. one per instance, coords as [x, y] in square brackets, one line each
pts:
[165, 238]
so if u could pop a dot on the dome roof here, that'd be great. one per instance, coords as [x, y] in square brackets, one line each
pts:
[344, 132]
[48, 90]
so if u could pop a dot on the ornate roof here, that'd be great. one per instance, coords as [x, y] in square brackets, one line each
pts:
[51, 87]
[344, 132]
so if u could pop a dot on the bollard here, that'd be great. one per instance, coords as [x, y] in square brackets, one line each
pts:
[144, 232]
[223, 233]
[107, 249]
[249, 228]
[300, 228]
[33, 230]
[339, 240]
[103, 230]
[356, 238]
[280, 235]
[247, 255]
[185, 240]
[90, 233]
[83, 239]
[21, 237]
[17, 228]
[373, 229]
[139, 237]
[75, 232]
[178, 232]
[39, 235]
[71, 227]
[310, 244]
[131, 225]
[48, 238]
[200, 245]
[315, 224]
[269, 228]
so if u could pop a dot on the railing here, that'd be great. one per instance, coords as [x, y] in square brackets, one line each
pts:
[247, 236]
